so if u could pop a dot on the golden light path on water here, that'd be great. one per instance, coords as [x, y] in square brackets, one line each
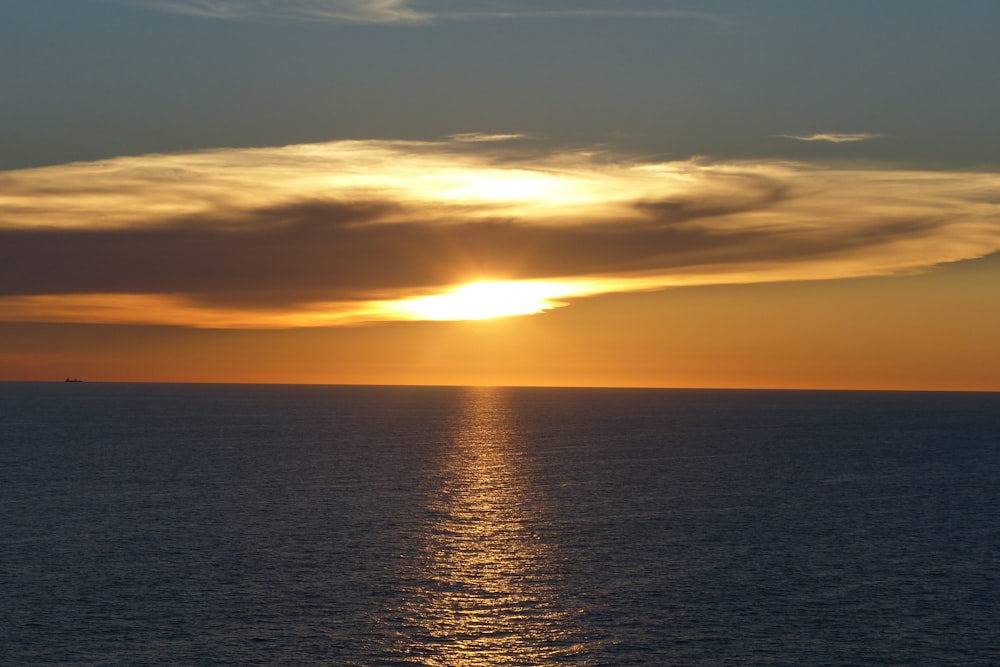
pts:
[489, 594]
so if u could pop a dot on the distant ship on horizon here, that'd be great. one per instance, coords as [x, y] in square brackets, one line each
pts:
[73, 380]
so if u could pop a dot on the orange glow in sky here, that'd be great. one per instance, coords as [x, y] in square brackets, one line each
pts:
[382, 241]
[488, 299]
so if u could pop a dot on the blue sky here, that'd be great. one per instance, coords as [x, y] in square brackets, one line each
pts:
[88, 79]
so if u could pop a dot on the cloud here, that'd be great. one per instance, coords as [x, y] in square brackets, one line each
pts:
[352, 231]
[392, 11]
[512, 11]
[477, 137]
[833, 137]
[349, 11]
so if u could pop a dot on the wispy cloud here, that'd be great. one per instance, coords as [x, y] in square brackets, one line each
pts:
[348, 11]
[478, 137]
[833, 137]
[397, 11]
[462, 11]
[349, 232]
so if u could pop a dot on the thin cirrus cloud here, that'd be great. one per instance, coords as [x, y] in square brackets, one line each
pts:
[833, 137]
[349, 232]
[403, 12]
[477, 137]
[349, 11]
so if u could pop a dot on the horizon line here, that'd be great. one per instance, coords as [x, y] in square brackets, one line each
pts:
[888, 390]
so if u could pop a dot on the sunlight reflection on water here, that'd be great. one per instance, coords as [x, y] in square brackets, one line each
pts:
[487, 591]
[171, 525]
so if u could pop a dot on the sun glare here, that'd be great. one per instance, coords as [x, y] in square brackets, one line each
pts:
[501, 186]
[483, 300]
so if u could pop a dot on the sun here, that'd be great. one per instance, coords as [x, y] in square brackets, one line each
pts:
[501, 186]
[487, 299]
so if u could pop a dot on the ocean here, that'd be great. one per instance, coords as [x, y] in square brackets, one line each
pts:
[145, 524]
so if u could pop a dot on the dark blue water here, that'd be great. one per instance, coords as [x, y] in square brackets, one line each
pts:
[261, 525]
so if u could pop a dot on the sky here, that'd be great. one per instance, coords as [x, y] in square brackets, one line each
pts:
[773, 194]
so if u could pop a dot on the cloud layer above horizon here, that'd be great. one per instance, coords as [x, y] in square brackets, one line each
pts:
[350, 232]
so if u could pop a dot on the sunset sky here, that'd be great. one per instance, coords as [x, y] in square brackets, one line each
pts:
[777, 194]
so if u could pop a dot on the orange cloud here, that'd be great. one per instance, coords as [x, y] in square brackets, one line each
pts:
[347, 232]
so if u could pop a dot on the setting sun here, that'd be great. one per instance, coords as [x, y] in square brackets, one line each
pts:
[502, 185]
[483, 300]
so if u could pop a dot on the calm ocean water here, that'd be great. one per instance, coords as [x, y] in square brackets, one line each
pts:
[270, 525]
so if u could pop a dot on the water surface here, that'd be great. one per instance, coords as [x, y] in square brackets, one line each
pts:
[269, 525]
